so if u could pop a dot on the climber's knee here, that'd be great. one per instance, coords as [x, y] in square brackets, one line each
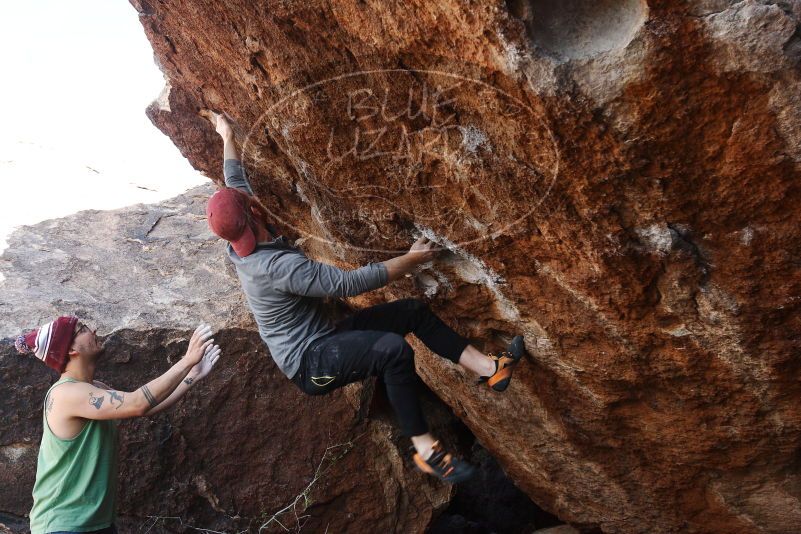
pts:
[417, 312]
[418, 305]
[397, 356]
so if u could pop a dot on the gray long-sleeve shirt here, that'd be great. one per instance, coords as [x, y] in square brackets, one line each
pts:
[284, 288]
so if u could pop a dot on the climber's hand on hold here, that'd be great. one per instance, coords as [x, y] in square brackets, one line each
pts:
[223, 126]
[423, 250]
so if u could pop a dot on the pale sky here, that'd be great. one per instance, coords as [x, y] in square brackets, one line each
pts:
[76, 78]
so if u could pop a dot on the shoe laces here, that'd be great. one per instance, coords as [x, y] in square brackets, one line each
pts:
[499, 364]
[500, 355]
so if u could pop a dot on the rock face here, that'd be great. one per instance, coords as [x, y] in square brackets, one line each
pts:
[244, 445]
[618, 180]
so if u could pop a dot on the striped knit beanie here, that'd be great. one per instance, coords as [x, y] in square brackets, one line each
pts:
[51, 342]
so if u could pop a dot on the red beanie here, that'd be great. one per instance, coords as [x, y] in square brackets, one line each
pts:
[51, 342]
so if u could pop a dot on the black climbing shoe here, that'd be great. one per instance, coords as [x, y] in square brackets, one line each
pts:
[504, 364]
[444, 466]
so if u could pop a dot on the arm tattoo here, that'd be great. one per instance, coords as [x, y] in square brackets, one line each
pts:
[116, 397]
[149, 396]
[97, 402]
[50, 402]
[188, 381]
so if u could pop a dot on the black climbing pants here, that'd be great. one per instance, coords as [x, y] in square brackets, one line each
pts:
[370, 343]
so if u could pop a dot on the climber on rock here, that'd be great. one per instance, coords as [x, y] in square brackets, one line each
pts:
[284, 289]
[76, 474]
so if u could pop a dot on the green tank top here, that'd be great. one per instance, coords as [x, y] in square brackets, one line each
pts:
[76, 479]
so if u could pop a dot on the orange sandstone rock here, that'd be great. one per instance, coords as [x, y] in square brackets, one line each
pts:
[617, 180]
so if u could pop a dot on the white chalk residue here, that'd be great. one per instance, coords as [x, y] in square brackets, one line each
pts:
[746, 235]
[657, 237]
[14, 452]
[511, 53]
[472, 138]
[472, 269]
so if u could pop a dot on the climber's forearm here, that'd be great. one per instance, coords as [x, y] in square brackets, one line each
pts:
[399, 266]
[229, 148]
[233, 171]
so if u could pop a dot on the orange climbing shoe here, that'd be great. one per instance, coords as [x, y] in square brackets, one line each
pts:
[504, 364]
[444, 466]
